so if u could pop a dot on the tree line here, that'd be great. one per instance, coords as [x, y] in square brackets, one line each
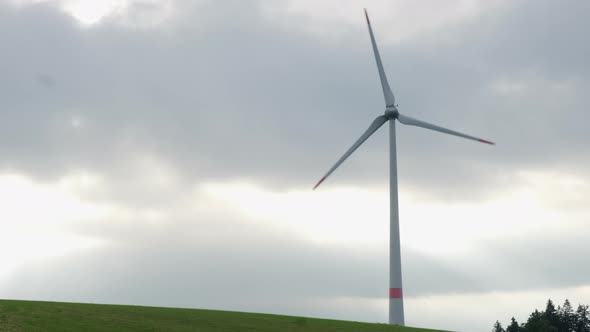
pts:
[560, 319]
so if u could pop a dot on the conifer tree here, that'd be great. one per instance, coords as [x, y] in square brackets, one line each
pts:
[551, 314]
[562, 319]
[538, 322]
[498, 327]
[513, 327]
[567, 317]
[582, 319]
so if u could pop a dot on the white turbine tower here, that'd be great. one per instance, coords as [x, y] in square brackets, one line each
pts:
[396, 304]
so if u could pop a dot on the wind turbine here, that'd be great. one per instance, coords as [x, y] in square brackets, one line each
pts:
[396, 304]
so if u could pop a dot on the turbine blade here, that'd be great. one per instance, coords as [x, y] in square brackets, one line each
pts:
[414, 122]
[387, 94]
[377, 123]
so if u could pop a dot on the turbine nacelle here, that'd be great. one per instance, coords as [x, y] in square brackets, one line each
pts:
[391, 112]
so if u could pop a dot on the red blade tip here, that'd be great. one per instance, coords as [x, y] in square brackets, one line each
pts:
[319, 182]
[487, 142]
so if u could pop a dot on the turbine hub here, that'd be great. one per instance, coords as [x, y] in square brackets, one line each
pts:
[391, 112]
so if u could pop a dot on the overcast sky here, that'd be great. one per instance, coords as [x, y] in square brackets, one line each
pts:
[162, 152]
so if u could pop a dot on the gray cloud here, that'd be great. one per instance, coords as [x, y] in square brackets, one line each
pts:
[225, 95]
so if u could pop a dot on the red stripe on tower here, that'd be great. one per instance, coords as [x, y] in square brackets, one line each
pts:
[395, 293]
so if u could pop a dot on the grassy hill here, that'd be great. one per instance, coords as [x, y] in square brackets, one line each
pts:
[57, 316]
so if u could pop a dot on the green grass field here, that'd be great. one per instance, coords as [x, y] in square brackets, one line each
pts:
[57, 316]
